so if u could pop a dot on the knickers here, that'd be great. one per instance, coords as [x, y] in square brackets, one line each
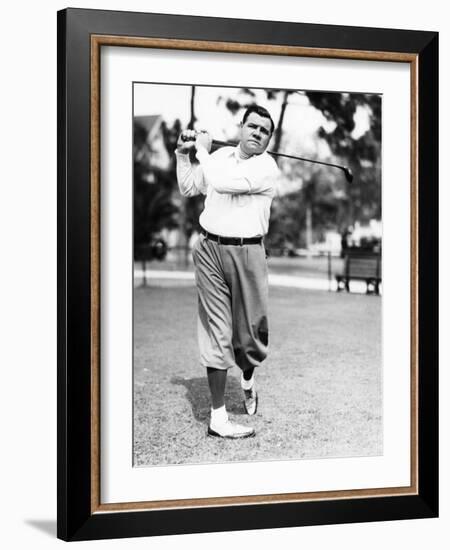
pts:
[232, 304]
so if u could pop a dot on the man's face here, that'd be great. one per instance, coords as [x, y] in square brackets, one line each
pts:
[255, 134]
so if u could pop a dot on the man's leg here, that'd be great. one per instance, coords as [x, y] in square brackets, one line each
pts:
[220, 426]
[249, 289]
[216, 381]
[249, 388]
[212, 351]
[215, 336]
[248, 374]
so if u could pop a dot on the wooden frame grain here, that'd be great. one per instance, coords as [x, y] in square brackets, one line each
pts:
[81, 515]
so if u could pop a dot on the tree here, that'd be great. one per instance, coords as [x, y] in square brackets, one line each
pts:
[279, 126]
[154, 205]
[362, 153]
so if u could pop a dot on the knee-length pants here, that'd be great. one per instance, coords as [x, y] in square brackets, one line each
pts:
[232, 304]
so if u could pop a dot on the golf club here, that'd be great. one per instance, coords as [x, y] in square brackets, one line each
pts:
[347, 172]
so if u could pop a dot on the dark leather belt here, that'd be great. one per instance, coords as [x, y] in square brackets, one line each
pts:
[235, 241]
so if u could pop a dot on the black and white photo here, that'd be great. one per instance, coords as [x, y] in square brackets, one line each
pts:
[239, 212]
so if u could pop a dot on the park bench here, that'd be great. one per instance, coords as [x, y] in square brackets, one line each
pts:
[360, 265]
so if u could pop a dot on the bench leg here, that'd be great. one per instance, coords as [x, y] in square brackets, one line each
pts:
[340, 284]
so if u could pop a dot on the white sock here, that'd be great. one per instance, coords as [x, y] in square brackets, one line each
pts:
[247, 384]
[219, 416]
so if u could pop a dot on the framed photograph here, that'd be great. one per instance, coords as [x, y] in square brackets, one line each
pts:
[247, 274]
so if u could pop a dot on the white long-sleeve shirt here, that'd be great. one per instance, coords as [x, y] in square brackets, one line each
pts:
[238, 192]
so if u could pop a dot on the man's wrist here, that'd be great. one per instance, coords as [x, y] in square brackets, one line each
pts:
[181, 153]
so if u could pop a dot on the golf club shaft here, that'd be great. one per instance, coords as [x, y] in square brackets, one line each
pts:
[346, 171]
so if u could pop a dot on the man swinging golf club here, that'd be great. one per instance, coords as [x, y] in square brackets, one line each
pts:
[229, 257]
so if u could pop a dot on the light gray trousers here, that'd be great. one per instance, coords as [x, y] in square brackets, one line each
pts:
[232, 304]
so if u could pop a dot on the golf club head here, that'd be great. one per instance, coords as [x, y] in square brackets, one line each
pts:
[348, 174]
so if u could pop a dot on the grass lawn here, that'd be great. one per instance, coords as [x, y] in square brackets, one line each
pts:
[320, 388]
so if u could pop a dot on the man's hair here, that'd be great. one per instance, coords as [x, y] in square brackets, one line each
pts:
[261, 111]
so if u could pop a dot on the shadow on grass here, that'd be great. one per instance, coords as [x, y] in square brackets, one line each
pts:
[197, 393]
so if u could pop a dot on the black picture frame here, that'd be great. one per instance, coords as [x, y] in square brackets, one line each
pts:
[79, 517]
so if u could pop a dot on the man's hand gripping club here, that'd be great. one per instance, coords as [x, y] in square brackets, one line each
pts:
[193, 139]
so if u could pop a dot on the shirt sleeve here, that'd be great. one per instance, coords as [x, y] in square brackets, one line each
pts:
[262, 173]
[190, 178]
[253, 176]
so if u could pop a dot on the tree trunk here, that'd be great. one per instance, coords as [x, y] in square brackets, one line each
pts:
[185, 237]
[193, 118]
[279, 128]
[308, 228]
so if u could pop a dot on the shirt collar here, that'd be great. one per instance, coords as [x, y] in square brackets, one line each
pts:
[236, 152]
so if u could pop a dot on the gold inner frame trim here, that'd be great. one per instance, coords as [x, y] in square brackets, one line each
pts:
[97, 41]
